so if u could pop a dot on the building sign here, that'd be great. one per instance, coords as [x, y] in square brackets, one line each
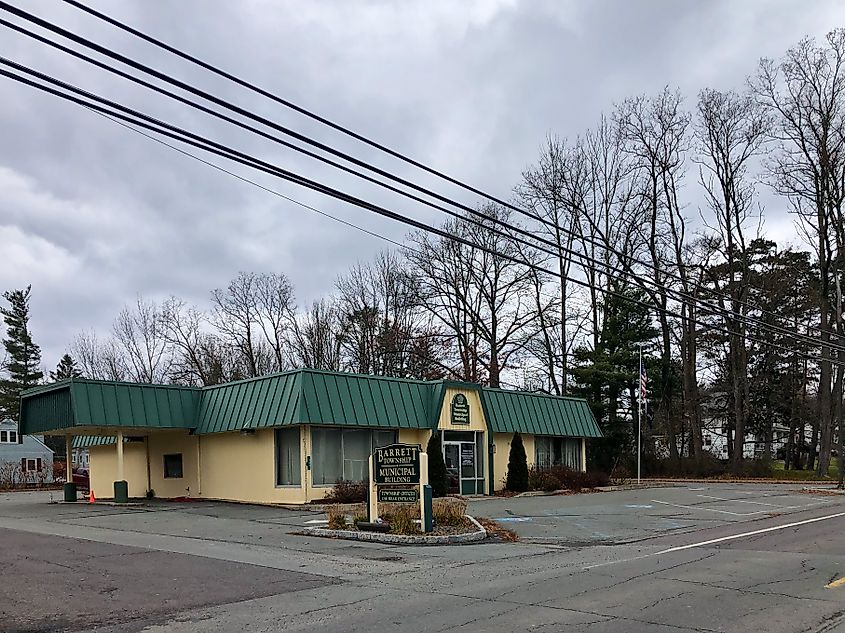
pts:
[397, 495]
[397, 464]
[460, 410]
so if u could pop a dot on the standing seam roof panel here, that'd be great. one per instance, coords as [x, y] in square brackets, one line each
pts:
[341, 401]
[387, 394]
[270, 404]
[357, 402]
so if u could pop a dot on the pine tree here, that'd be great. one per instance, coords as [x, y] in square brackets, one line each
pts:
[438, 478]
[23, 356]
[65, 369]
[517, 479]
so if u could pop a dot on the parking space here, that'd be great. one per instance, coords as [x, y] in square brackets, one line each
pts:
[627, 516]
[641, 560]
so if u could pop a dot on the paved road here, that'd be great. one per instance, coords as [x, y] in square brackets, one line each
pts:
[717, 562]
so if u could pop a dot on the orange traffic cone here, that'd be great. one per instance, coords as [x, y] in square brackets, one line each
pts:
[91, 498]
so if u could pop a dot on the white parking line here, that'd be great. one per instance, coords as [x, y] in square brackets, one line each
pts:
[736, 514]
[757, 503]
[773, 505]
[752, 533]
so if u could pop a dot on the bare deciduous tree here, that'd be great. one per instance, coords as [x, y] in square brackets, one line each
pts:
[805, 95]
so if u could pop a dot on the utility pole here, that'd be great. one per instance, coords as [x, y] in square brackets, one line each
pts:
[640, 418]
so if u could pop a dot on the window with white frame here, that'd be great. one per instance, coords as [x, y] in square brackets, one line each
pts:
[342, 454]
[30, 465]
[288, 460]
[557, 451]
[8, 437]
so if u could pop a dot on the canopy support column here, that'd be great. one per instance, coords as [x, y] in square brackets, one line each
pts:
[121, 488]
[69, 487]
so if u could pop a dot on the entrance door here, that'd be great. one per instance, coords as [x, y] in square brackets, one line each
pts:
[464, 462]
[451, 455]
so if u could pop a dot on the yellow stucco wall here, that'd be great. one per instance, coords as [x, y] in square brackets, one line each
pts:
[243, 468]
[502, 441]
[103, 469]
[414, 436]
[168, 442]
[476, 413]
[477, 422]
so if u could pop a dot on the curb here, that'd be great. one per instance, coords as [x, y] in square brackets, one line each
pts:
[400, 539]
[750, 480]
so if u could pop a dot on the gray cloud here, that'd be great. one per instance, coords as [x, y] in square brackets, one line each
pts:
[92, 214]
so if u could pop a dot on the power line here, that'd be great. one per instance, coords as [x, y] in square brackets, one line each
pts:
[703, 306]
[370, 142]
[713, 310]
[675, 294]
[234, 155]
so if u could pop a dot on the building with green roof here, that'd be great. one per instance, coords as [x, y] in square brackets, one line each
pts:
[289, 437]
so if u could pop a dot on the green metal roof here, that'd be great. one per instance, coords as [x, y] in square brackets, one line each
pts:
[538, 414]
[96, 403]
[297, 397]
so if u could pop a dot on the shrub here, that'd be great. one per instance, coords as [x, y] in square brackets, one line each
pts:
[359, 515]
[596, 479]
[517, 479]
[449, 511]
[336, 517]
[402, 520]
[548, 482]
[707, 466]
[438, 478]
[562, 477]
[345, 491]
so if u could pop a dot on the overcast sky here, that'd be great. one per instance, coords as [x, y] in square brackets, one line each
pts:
[92, 214]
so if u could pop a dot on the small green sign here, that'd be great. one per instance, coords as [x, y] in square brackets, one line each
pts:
[460, 410]
[397, 495]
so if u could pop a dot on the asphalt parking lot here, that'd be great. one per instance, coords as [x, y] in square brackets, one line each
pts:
[699, 558]
[628, 516]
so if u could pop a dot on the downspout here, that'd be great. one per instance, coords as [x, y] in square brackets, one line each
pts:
[147, 448]
[199, 468]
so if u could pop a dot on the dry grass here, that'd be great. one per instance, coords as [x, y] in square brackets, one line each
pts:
[449, 511]
[336, 517]
[402, 519]
[496, 531]
[359, 514]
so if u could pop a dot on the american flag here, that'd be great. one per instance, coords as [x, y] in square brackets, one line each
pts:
[643, 382]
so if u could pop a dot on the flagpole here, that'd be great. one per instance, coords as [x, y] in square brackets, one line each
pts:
[640, 416]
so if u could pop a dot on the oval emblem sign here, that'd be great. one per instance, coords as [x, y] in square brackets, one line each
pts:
[460, 410]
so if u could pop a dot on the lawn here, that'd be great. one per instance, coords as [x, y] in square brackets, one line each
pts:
[804, 475]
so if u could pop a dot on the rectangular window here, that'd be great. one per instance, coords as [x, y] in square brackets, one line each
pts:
[557, 451]
[32, 465]
[327, 456]
[4, 437]
[288, 460]
[13, 437]
[173, 466]
[344, 453]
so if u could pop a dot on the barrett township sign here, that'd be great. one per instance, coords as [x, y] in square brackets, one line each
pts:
[397, 464]
[460, 409]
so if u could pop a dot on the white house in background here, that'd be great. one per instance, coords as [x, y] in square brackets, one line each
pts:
[27, 456]
[715, 438]
[81, 459]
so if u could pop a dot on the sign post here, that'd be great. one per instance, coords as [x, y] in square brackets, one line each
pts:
[399, 474]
